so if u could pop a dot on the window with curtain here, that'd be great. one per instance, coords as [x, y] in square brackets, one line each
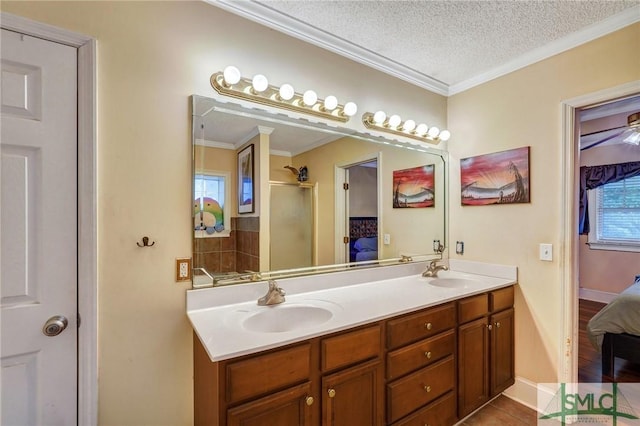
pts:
[615, 212]
[210, 205]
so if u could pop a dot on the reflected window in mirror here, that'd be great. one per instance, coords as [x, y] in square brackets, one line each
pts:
[210, 208]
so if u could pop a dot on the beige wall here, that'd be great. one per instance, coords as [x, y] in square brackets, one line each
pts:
[607, 270]
[523, 109]
[151, 57]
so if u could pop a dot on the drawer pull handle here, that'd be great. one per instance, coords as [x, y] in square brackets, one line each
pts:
[428, 354]
[428, 326]
[427, 388]
[309, 400]
[331, 392]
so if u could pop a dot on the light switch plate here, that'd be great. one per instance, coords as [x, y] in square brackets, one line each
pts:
[546, 252]
[183, 269]
[386, 239]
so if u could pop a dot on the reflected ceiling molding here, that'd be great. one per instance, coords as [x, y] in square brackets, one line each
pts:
[408, 128]
[231, 83]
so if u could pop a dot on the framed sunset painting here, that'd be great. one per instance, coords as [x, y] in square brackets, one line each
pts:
[414, 188]
[497, 178]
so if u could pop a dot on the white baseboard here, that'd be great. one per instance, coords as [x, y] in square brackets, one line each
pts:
[526, 392]
[596, 295]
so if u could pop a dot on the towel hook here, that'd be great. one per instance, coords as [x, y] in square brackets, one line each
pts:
[145, 242]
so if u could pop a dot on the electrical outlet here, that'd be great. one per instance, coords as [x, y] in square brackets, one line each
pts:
[183, 269]
[546, 252]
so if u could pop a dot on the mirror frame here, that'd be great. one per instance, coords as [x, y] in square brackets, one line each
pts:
[202, 105]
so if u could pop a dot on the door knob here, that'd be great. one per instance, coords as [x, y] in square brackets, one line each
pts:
[55, 325]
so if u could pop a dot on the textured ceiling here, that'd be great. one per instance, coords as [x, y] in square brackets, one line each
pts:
[444, 46]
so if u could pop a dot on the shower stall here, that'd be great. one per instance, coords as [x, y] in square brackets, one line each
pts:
[292, 229]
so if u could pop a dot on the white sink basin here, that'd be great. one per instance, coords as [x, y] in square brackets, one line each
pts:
[286, 317]
[453, 282]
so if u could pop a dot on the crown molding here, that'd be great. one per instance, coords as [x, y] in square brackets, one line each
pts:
[264, 15]
[614, 23]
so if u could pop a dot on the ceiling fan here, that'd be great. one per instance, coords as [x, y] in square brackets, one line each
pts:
[624, 134]
[632, 134]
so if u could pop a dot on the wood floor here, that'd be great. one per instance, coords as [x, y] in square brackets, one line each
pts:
[504, 411]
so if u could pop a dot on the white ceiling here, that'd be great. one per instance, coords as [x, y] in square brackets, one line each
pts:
[443, 46]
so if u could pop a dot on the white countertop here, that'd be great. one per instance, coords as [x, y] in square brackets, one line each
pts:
[354, 298]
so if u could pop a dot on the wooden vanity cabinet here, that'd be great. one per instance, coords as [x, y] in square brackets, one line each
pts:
[353, 378]
[485, 348]
[421, 368]
[336, 380]
[429, 367]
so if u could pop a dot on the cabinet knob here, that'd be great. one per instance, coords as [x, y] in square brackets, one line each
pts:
[309, 400]
[331, 392]
[428, 354]
[428, 326]
[427, 388]
[497, 325]
[489, 326]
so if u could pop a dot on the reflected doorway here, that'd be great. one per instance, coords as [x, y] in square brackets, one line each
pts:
[358, 211]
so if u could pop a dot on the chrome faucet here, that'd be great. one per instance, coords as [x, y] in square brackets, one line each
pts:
[433, 269]
[274, 295]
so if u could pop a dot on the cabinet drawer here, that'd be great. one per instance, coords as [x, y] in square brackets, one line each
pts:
[473, 307]
[415, 390]
[415, 327]
[265, 373]
[350, 348]
[501, 299]
[420, 354]
[439, 413]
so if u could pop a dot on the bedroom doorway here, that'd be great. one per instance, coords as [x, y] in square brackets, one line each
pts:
[570, 271]
[358, 211]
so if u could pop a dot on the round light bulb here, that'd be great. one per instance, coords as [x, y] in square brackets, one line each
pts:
[231, 75]
[330, 103]
[286, 91]
[259, 83]
[409, 125]
[421, 130]
[309, 98]
[394, 120]
[350, 109]
[434, 132]
[379, 117]
[445, 135]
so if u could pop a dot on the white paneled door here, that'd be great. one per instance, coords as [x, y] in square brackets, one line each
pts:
[39, 232]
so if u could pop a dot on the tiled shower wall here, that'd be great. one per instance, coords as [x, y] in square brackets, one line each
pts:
[237, 253]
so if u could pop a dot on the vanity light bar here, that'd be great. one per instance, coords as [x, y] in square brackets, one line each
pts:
[408, 128]
[231, 83]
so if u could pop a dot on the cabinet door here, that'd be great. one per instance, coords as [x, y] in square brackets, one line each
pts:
[502, 351]
[354, 397]
[291, 407]
[473, 365]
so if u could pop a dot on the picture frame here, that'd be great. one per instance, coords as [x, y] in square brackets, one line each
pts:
[496, 178]
[414, 187]
[246, 185]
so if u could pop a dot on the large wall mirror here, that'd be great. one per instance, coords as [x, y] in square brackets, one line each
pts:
[276, 196]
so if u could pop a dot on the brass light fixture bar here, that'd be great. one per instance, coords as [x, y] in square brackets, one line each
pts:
[408, 128]
[231, 83]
